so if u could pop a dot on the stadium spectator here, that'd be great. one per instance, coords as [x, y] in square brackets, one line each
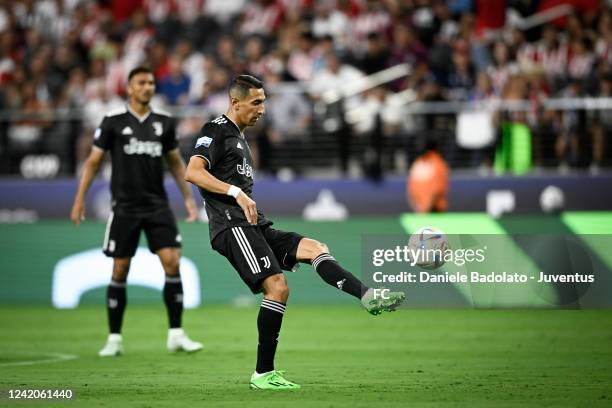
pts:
[226, 53]
[224, 11]
[571, 129]
[330, 21]
[334, 76]
[137, 39]
[503, 66]
[193, 65]
[602, 126]
[461, 78]
[262, 17]
[176, 85]
[549, 54]
[374, 18]
[302, 58]
[214, 96]
[406, 47]
[581, 61]
[376, 55]
[254, 52]
[99, 101]
[42, 43]
[288, 115]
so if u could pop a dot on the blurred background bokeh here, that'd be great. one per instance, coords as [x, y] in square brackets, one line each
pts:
[475, 75]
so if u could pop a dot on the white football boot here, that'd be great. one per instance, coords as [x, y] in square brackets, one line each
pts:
[178, 341]
[113, 346]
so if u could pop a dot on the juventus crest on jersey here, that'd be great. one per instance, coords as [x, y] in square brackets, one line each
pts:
[228, 158]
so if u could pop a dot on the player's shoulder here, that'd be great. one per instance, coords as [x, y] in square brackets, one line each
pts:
[116, 113]
[219, 127]
[222, 123]
[161, 112]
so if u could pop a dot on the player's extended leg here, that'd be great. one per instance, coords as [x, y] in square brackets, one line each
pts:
[269, 321]
[173, 298]
[317, 254]
[116, 301]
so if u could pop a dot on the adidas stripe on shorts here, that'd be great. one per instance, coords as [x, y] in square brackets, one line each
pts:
[257, 252]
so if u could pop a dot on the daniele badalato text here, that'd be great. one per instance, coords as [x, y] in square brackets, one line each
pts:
[458, 257]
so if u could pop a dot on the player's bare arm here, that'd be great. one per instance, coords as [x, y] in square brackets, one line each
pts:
[177, 169]
[90, 169]
[197, 174]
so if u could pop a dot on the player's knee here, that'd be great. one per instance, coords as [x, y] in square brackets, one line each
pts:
[280, 289]
[121, 268]
[318, 249]
[282, 292]
[170, 262]
[171, 266]
[276, 288]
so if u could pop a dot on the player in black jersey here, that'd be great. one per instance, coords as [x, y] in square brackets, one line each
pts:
[138, 138]
[222, 168]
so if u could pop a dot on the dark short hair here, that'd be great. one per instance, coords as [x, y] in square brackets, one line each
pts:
[240, 85]
[139, 70]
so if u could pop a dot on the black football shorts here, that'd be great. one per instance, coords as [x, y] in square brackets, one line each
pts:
[258, 252]
[123, 233]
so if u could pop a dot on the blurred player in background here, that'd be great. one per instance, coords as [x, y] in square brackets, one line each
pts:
[222, 168]
[428, 181]
[138, 137]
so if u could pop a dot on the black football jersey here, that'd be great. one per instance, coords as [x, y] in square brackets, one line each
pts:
[229, 159]
[137, 145]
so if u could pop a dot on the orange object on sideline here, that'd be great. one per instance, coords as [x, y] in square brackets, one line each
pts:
[427, 185]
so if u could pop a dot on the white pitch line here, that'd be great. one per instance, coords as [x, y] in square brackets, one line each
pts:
[51, 358]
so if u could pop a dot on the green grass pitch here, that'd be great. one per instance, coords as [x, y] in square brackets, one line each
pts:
[342, 356]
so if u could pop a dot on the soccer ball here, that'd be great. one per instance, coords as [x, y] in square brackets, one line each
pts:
[552, 200]
[428, 245]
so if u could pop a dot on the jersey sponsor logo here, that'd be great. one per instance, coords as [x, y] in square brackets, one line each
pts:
[204, 141]
[97, 133]
[127, 131]
[158, 128]
[239, 146]
[245, 169]
[220, 120]
[153, 149]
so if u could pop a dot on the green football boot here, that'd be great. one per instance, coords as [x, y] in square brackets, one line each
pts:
[377, 305]
[272, 380]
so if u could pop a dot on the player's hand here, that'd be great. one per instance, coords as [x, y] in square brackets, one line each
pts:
[77, 214]
[192, 210]
[248, 206]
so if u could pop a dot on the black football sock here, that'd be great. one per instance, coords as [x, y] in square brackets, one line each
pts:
[173, 298]
[116, 300]
[328, 268]
[268, 323]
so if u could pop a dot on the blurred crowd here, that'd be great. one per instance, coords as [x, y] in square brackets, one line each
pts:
[72, 55]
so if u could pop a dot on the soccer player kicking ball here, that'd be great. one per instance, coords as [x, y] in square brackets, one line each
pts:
[137, 137]
[221, 166]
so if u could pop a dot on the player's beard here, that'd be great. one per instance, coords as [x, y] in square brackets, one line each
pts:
[145, 100]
